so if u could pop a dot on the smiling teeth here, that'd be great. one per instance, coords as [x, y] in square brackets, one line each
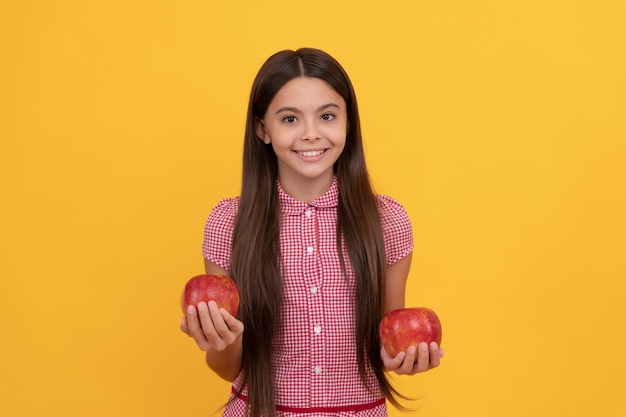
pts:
[311, 153]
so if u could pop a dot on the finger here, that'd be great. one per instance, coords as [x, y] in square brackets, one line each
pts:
[434, 355]
[206, 320]
[183, 325]
[216, 332]
[233, 324]
[423, 359]
[408, 364]
[221, 328]
[194, 326]
[384, 355]
[391, 363]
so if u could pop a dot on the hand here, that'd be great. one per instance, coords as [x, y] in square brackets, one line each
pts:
[414, 360]
[212, 328]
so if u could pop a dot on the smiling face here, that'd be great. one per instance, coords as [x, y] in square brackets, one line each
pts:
[306, 124]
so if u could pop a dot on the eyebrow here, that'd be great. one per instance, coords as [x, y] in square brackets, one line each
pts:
[295, 110]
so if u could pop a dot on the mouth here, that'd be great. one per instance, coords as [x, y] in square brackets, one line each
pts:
[311, 153]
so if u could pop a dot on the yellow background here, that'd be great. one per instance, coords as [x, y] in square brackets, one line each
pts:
[498, 124]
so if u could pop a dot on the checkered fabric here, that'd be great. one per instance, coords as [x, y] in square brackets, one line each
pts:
[314, 349]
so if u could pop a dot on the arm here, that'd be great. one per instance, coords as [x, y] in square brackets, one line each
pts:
[216, 332]
[416, 359]
[395, 284]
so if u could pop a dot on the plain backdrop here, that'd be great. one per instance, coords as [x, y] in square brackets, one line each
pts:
[498, 125]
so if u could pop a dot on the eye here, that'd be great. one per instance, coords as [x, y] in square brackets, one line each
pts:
[328, 117]
[289, 119]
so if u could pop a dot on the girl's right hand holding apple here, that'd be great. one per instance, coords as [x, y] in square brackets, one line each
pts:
[219, 334]
[212, 328]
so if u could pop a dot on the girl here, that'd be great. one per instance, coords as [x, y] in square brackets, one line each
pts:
[318, 257]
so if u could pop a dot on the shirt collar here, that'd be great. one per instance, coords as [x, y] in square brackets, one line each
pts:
[291, 206]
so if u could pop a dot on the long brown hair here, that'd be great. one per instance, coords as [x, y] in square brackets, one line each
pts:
[256, 247]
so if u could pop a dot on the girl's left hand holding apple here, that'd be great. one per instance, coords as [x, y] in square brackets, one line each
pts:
[414, 360]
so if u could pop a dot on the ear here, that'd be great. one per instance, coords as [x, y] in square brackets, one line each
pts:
[260, 131]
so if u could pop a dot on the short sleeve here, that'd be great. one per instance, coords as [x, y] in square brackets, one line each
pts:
[397, 229]
[218, 233]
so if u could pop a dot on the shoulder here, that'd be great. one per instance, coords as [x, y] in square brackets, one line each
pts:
[391, 211]
[227, 207]
[222, 218]
[218, 232]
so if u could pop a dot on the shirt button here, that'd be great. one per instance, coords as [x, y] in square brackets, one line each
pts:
[310, 250]
[317, 329]
[313, 289]
[318, 370]
[308, 213]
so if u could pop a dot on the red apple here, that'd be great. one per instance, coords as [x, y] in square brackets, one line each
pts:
[207, 287]
[406, 327]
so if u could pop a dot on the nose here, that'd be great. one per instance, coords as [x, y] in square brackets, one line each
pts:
[311, 132]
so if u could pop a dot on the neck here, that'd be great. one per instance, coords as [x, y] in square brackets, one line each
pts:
[304, 189]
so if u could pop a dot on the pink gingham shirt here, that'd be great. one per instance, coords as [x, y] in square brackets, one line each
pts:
[314, 348]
